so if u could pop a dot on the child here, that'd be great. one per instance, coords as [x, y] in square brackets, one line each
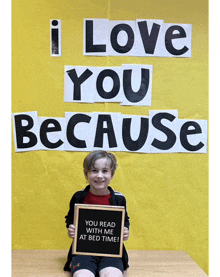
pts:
[99, 168]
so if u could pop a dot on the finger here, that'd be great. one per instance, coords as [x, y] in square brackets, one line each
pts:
[71, 236]
[125, 234]
[71, 233]
[71, 226]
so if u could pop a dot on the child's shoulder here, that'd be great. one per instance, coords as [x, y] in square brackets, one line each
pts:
[120, 198]
[77, 194]
[79, 191]
[119, 194]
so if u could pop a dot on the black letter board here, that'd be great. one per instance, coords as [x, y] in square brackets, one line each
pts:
[99, 230]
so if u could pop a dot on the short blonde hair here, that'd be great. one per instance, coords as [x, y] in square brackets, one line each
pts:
[92, 157]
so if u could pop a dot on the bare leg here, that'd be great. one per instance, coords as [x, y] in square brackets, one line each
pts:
[110, 272]
[83, 273]
[68, 274]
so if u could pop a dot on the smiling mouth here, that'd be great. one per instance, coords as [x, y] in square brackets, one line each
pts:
[99, 182]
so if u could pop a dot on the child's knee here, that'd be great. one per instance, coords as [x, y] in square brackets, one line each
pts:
[83, 273]
[110, 272]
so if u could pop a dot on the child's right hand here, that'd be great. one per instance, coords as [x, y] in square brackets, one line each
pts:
[71, 231]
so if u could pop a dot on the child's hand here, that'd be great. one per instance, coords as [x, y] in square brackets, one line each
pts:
[125, 234]
[71, 231]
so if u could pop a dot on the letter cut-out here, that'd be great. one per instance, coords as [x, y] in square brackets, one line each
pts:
[135, 133]
[26, 131]
[193, 136]
[77, 84]
[137, 85]
[121, 38]
[95, 37]
[55, 37]
[163, 131]
[78, 132]
[107, 133]
[108, 84]
[177, 38]
[52, 134]
[147, 36]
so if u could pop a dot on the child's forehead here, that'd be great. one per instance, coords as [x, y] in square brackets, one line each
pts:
[103, 162]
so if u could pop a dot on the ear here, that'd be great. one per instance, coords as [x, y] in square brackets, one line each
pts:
[85, 174]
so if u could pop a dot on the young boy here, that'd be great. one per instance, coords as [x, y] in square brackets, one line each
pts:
[99, 169]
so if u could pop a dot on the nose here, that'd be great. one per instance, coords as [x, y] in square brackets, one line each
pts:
[99, 174]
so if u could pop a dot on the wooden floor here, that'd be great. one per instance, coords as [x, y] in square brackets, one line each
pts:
[49, 263]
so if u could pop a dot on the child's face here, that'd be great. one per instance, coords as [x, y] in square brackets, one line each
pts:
[99, 177]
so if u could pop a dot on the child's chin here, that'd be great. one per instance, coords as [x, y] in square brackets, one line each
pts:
[100, 186]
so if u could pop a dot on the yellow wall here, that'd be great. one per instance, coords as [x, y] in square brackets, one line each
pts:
[167, 194]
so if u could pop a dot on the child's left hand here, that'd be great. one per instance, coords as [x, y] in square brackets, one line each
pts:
[125, 234]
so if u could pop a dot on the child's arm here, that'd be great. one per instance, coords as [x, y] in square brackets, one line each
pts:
[69, 217]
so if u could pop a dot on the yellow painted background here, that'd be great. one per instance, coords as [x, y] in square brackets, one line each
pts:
[167, 194]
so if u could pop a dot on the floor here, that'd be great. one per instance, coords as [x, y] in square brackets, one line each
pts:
[49, 263]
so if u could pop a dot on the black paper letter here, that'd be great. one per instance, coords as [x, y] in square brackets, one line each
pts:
[185, 130]
[149, 41]
[171, 137]
[43, 133]
[74, 120]
[23, 131]
[78, 81]
[100, 131]
[126, 134]
[168, 40]
[90, 47]
[116, 84]
[132, 96]
[55, 39]
[114, 34]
